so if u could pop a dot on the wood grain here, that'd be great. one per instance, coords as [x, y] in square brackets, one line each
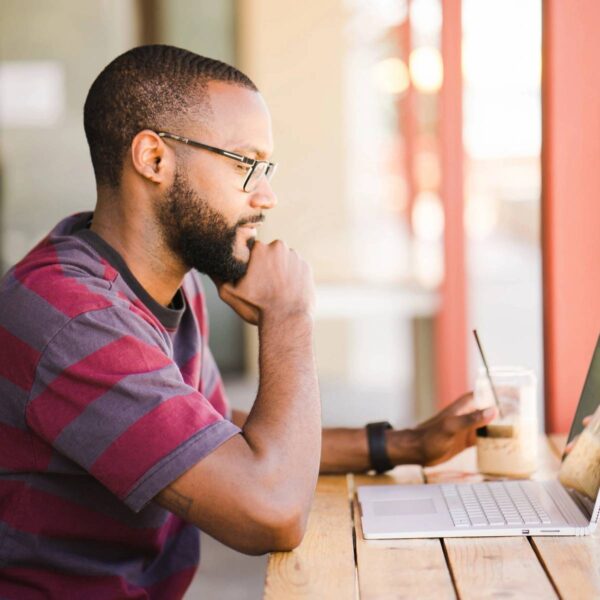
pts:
[573, 563]
[491, 567]
[497, 568]
[323, 565]
[399, 568]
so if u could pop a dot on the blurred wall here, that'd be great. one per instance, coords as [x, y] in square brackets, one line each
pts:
[46, 168]
[303, 66]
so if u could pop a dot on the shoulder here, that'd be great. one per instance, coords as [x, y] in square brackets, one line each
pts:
[62, 280]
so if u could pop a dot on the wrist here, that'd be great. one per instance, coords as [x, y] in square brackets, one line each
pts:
[404, 447]
[287, 318]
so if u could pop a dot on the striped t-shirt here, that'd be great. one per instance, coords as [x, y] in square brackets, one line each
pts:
[106, 397]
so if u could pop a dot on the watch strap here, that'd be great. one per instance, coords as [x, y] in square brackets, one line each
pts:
[380, 461]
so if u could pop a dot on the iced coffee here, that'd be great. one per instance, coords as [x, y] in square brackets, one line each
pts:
[508, 446]
[581, 468]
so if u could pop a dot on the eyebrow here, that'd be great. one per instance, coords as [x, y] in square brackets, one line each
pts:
[247, 149]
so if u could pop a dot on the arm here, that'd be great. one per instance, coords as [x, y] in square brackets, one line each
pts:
[254, 492]
[432, 442]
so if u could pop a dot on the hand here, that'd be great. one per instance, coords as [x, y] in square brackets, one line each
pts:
[278, 283]
[571, 444]
[451, 430]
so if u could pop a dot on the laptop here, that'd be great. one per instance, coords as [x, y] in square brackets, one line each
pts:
[492, 508]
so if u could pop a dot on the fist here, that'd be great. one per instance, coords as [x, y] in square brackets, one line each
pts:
[277, 284]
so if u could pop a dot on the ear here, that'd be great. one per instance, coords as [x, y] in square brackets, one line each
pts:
[151, 157]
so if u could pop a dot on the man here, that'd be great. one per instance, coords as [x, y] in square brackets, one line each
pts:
[117, 442]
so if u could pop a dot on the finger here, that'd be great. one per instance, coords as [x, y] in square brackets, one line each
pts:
[460, 405]
[587, 420]
[475, 419]
[570, 445]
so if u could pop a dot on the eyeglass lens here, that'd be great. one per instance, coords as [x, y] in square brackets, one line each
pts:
[260, 169]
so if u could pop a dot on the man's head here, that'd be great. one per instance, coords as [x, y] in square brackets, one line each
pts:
[195, 196]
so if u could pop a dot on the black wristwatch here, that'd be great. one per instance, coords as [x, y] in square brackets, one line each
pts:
[380, 461]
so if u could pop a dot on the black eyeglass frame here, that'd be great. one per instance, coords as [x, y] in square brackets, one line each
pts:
[251, 162]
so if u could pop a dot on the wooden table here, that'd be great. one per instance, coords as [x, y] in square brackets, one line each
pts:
[335, 561]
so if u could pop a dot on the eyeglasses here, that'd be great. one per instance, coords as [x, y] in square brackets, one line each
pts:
[256, 168]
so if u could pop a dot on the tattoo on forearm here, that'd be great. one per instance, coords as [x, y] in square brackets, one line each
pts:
[176, 502]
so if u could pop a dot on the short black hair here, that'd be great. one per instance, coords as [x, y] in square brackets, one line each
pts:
[149, 87]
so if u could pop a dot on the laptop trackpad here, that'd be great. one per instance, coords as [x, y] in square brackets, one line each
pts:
[392, 508]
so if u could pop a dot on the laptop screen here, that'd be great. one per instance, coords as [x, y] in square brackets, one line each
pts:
[590, 396]
[582, 469]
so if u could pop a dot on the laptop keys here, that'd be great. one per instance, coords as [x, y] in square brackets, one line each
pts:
[493, 503]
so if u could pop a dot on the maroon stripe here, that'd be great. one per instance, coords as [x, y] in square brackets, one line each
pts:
[17, 360]
[218, 399]
[39, 584]
[22, 451]
[199, 309]
[41, 272]
[172, 587]
[110, 273]
[80, 384]
[191, 370]
[150, 439]
[53, 516]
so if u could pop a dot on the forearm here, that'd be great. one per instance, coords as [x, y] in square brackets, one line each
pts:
[284, 426]
[346, 450]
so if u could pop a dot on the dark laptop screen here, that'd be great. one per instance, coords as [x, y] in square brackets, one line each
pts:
[580, 471]
[590, 396]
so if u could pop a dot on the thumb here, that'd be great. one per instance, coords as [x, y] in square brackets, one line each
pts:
[479, 418]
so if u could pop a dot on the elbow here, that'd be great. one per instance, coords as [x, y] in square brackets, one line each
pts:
[282, 529]
[288, 534]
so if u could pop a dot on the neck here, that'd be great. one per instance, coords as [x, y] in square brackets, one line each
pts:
[135, 235]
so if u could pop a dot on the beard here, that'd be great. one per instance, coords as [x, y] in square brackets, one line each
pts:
[198, 234]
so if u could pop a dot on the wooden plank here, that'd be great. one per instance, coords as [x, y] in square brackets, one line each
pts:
[571, 562]
[323, 565]
[399, 568]
[491, 567]
[497, 567]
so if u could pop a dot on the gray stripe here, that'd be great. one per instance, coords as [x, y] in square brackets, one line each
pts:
[187, 340]
[12, 404]
[105, 419]
[79, 557]
[91, 558]
[209, 374]
[87, 334]
[179, 461]
[19, 303]
[86, 491]
[180, 552]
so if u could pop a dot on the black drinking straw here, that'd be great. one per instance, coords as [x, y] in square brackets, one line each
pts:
[487, 370]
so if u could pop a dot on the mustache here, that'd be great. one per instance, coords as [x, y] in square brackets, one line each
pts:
[254, 219]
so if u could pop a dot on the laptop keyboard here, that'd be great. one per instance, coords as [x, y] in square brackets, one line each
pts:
[493, 503]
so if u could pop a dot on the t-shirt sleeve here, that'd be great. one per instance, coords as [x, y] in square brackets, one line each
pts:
[108, 396]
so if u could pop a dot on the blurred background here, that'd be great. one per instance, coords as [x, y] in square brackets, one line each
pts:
[409, 139]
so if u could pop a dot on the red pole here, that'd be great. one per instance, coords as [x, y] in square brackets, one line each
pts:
[570, 201]
[451, 322]
[408, 118]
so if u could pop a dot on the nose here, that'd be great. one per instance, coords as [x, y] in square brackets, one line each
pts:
[263, 196]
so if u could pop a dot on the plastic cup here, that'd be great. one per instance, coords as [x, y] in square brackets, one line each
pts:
[508, 446]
